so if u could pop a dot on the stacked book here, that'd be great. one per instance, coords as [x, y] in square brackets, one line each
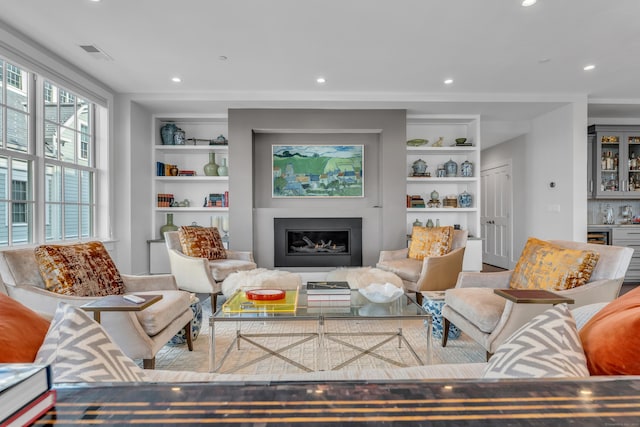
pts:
[328, 291]
[415, 201]
[25, 393]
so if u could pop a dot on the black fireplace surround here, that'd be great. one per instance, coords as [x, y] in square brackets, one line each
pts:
[317, 242]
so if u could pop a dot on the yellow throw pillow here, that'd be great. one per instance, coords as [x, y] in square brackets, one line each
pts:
[543, 265]
[430, 241]
[83, 270]
[201, 242]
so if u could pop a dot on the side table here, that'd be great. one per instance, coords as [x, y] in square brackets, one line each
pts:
[196, 323]
[118, 303]
[432, 302]
[532, 296]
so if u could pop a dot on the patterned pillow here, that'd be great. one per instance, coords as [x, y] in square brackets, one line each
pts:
[610, 338]
[201, 242]
[80, 350]
[543, 265]
[546, 347]
[430, 241]
[82, 269]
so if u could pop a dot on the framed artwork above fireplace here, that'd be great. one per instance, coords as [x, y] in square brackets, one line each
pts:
[317, 171]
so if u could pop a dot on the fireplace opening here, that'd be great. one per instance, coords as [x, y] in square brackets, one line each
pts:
[317, 242]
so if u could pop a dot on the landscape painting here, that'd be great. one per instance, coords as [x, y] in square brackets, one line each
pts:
[318, 170]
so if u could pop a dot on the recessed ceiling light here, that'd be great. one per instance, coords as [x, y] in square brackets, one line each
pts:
[222, 58]
[321, 80]
[527, 3]
[448, 81]
[589, 67]
[176, 79]
[544, 60]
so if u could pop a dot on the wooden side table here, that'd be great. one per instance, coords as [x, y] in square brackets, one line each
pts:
[532, 296]
[118, 303]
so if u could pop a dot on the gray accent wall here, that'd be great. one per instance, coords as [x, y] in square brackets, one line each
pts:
[252, 132]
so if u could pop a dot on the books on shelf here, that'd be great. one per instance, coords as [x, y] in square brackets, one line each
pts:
[25, 393]
[165, 200]
[328, 288]
[218, 200]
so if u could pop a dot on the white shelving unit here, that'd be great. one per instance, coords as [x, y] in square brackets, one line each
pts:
[189, 157]
[432, 127]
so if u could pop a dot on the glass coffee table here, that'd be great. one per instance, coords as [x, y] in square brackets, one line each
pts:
[296, 308]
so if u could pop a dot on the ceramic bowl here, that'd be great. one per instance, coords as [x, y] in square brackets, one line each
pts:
[461, 140]
[381, 293]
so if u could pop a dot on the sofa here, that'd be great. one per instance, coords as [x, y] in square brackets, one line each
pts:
[521, 355]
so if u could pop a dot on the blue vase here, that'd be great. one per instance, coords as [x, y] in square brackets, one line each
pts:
[464, 200]
[166, 133]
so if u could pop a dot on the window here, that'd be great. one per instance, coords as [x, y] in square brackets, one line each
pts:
[65, 165]
[69, 168]
[16, 156]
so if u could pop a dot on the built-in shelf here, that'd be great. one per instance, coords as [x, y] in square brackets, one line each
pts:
[441, 150]
[427, 210]
[196, 178]
[192, 209]
[174, 149]
[426, 180]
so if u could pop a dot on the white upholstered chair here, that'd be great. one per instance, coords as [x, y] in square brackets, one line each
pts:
[435, 273]
[490, 319]
[201, 275]
[140, 334]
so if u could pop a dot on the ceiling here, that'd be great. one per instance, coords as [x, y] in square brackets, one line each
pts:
[509, 63]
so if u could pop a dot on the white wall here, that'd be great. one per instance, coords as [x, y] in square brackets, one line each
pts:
[554, 150]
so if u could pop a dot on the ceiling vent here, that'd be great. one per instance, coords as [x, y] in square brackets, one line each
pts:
[96, 52]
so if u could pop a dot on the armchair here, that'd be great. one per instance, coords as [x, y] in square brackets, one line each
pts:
[201, 275]
[435, 273]
[140, 334]
[490, 319]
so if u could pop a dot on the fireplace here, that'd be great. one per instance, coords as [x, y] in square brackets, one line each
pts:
[317, 242]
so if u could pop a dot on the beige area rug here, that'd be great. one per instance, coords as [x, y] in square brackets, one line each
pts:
[310, 354]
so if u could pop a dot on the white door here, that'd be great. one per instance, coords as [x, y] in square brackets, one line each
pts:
[495, 215]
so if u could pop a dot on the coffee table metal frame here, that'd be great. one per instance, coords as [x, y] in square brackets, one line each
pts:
[403, 308]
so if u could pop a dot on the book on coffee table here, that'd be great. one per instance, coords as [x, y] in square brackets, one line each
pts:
[324, 288]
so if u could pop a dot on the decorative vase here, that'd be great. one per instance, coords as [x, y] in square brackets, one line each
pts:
[429, 223]
[435, 195]
[173, 170]
[417, 223]
[169, 226]
[466, 169]
[464, 200]
[179, 137]
[166, 133]
[223, 170]
[419, 167]
[211, 168]
[452, 169]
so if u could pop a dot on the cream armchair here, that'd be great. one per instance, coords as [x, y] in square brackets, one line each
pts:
[490, 319]
[201, 275]
[431, 274]
[140, 335]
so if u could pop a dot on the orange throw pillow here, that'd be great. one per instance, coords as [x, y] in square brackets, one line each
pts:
[430, 241]
[611, 340]
[201, 242]
[22, 331]
[543, 265]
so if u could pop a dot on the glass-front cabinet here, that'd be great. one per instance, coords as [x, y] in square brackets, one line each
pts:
[616, 161]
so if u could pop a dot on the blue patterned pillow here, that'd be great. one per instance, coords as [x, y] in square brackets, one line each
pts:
[548, 346]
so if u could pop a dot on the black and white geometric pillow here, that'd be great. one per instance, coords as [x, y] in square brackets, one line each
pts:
[548, 346]
[80, 350]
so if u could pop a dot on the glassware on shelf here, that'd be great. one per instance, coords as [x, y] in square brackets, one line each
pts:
[224, 226]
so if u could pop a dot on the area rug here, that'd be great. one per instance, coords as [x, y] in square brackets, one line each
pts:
[310, 354]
